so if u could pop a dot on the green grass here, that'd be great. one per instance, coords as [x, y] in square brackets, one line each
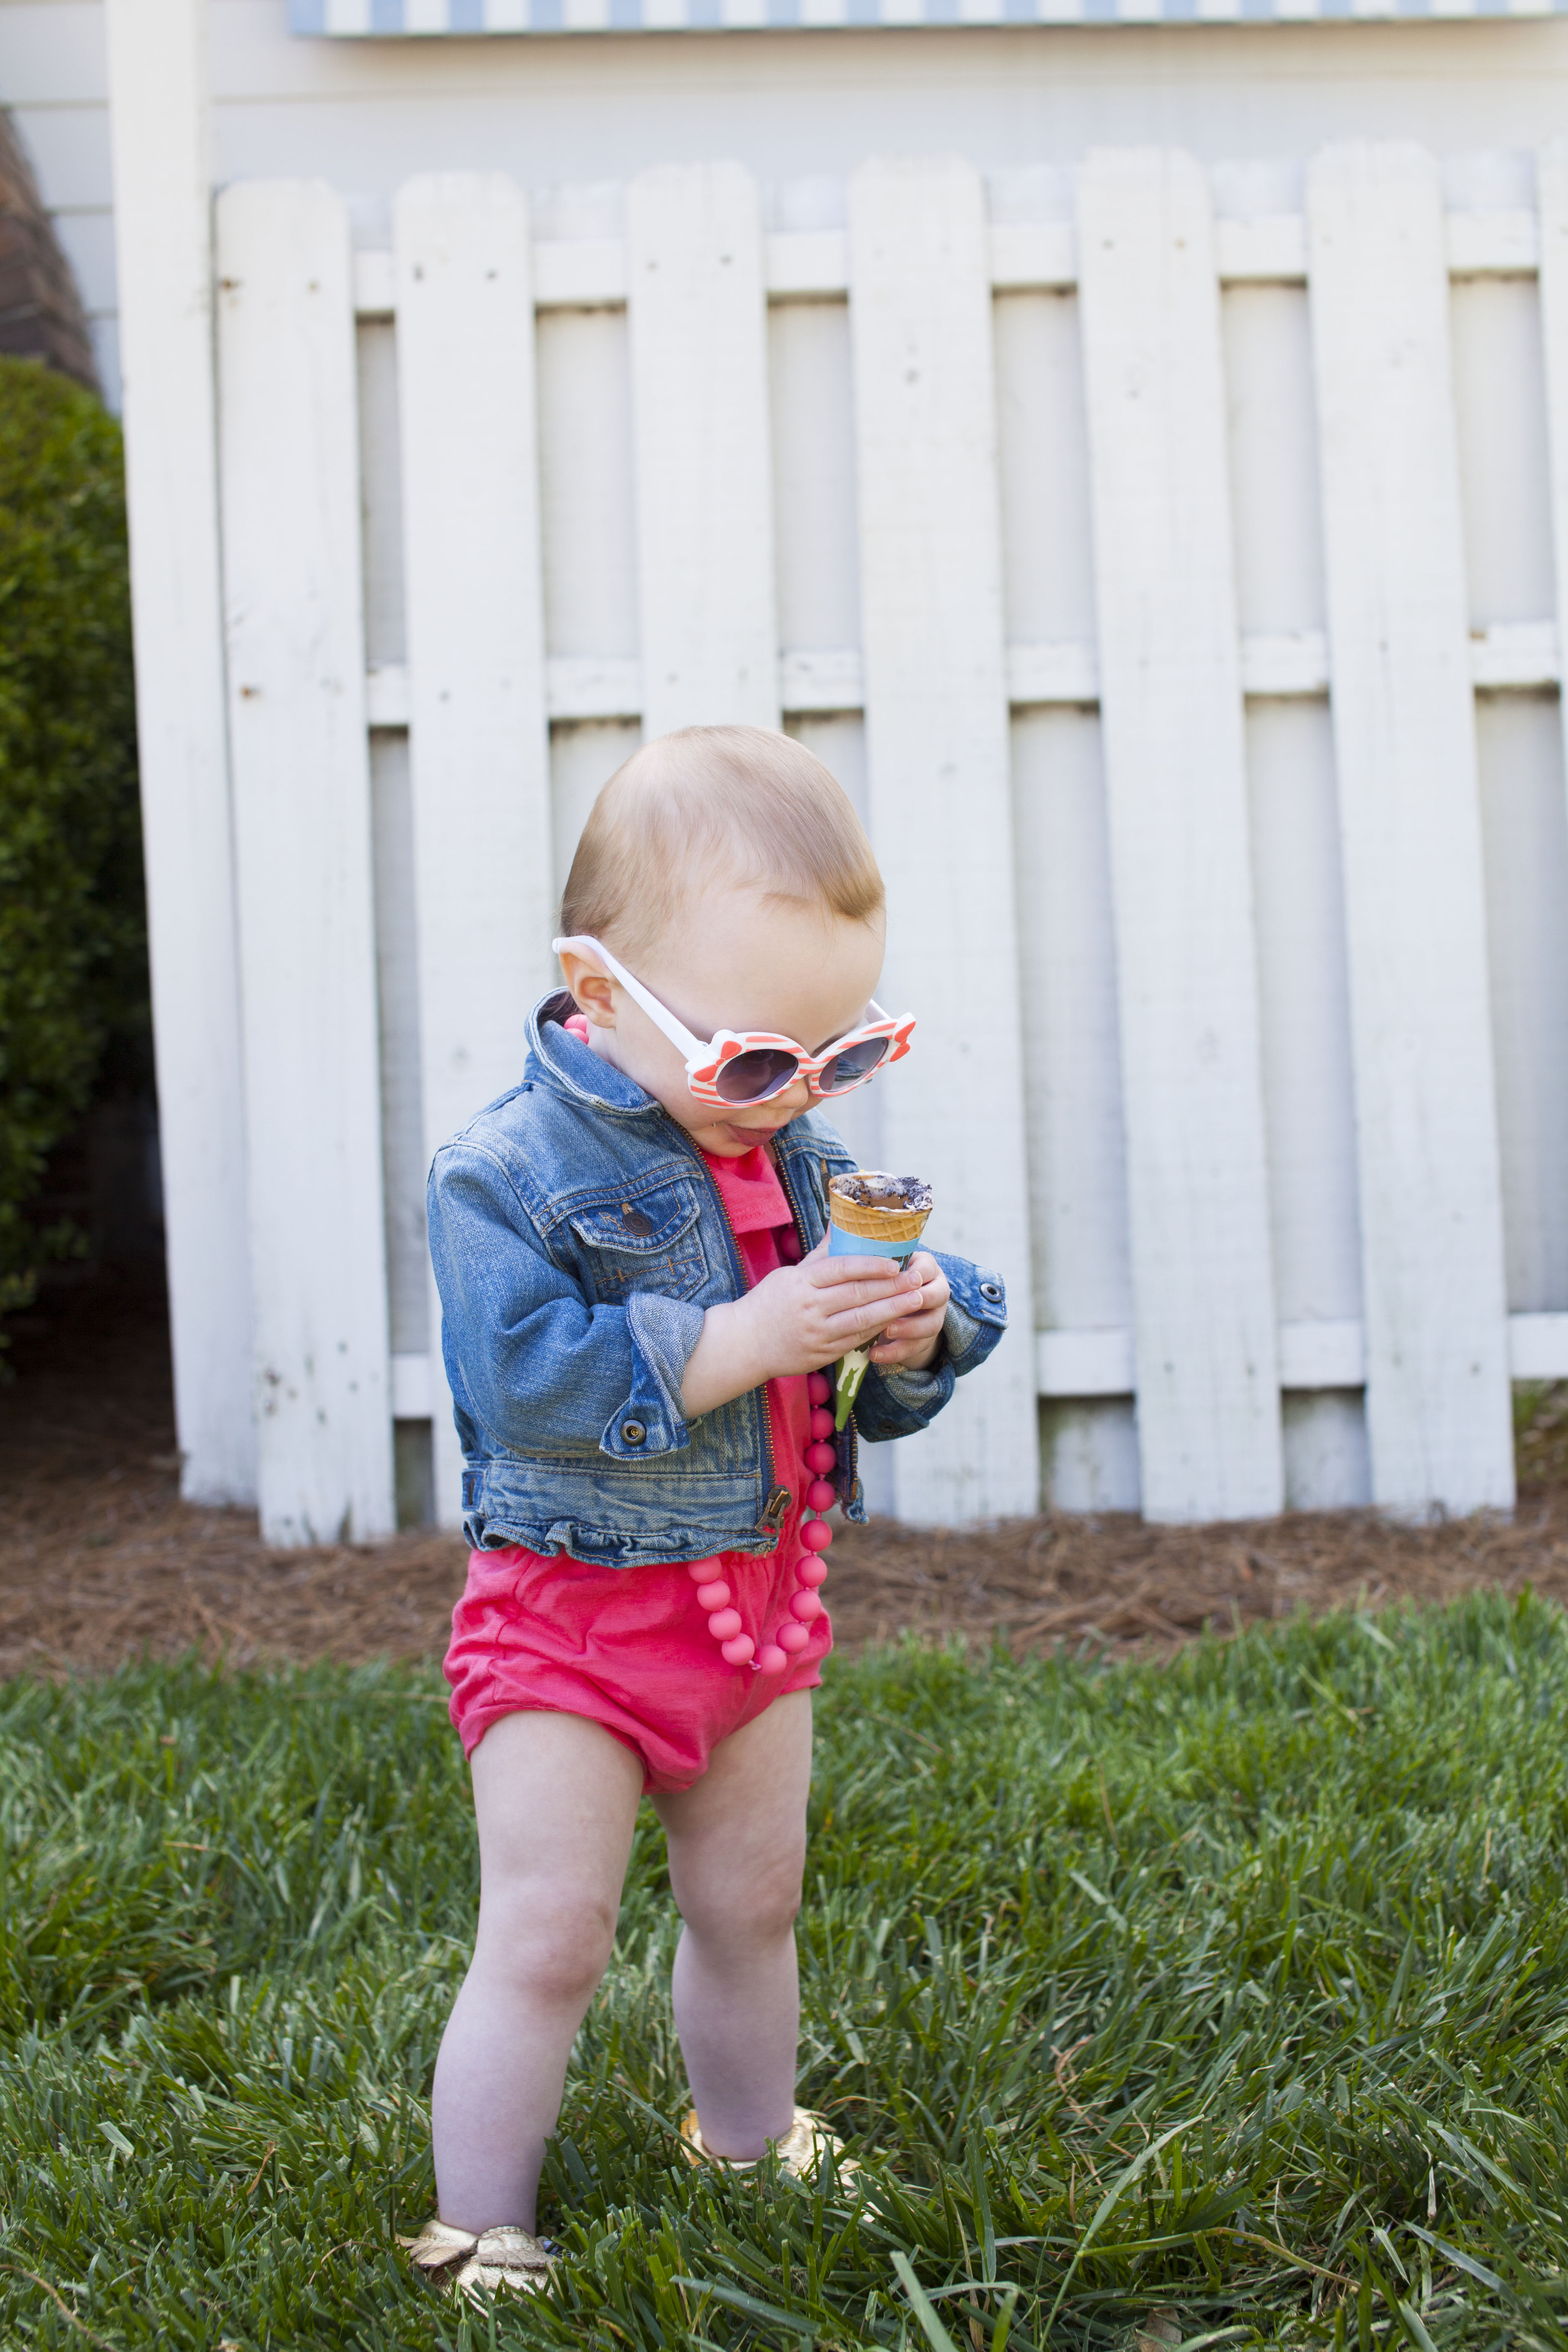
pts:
[1294, 1908]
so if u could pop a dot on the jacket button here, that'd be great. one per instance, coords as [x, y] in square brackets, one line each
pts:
[992, 1290]
[633, 1432]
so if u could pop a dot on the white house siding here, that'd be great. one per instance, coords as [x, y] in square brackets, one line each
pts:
[794, 107]
[572, 122]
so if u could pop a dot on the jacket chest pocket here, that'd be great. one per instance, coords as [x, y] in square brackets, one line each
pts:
[649, 1241]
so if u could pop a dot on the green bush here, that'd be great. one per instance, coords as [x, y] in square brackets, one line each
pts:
[73, 986]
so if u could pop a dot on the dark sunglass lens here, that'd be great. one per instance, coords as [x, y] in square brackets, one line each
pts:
[857, 1062]
[752, 1077]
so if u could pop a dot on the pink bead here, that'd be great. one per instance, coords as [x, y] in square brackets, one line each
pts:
[700, 1571]
[770, 1659]
[725, 1625]
[811, 1571]
[819, 1387]
[792, 1637]
[738, 1652]
[821, 1422]
[821, 1457]
[817, 1535]
[821, 1494]
[714, 1595]
[806, 1606]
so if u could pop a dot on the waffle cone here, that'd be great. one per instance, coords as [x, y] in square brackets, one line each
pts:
[870, 1223]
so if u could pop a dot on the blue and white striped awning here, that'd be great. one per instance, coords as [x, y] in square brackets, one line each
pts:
[403, 19]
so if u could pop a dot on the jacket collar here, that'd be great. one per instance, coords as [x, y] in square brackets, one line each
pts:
[562, 1063]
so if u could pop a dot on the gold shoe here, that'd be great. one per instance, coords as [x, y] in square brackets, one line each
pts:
[800, 2151]
[497, 2261]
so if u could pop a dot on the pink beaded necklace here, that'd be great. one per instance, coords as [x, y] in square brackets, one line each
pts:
[737, 1648]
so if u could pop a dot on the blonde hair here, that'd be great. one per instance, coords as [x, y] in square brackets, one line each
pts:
[737, 802]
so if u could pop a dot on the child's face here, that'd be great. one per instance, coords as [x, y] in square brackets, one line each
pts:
[734, 961]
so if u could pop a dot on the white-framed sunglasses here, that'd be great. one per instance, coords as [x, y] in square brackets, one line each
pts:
[738, 1067]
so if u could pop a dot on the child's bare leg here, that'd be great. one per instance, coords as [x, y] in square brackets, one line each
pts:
[736, 1851]
[556, 1799]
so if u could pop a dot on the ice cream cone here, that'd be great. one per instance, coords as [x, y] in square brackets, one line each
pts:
[892, 1226]
[887, 1221]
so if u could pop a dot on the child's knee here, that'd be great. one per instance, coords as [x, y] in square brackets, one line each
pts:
[552, 1942]
[754, 1906]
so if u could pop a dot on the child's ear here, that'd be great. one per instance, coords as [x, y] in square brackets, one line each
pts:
[591, 991]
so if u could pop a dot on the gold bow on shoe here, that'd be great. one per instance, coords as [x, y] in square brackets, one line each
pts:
[497, 2261]
[801, 2151]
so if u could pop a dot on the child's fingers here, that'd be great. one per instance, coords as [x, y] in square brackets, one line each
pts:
[856, 1327]
[879, 1275]
[916, 1326]
[871, 1276]
[890, 1350]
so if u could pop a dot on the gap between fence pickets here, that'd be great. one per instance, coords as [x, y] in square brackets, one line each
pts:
[1073, 1364]
[1513, 656]
[813, 265]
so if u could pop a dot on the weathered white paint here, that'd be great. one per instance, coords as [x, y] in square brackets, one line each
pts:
[405, 1156]
[940, 789]
[818, 429]
[1073, 1097]
[1317, 1362]
[1524, 829]
[478, 727]
[1551, 175]
[1437, 1402]
[157, 63]
[811, 403]
[1208, 1402]
[813, 266]
[1538, 1347]
[700, 401]
[290, 480]
[1274, 668]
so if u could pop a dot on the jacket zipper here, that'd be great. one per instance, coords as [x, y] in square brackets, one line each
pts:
[777, 1498]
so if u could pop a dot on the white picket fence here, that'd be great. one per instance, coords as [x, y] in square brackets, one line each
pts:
[1175, 594]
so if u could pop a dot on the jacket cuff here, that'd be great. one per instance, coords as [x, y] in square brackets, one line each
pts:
[924, 1392]
[652, 1420]
[976, 1313]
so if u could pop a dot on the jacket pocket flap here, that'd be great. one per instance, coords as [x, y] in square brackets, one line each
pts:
[644, 1224]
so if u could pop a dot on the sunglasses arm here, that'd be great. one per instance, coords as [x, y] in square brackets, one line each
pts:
[660, 1015]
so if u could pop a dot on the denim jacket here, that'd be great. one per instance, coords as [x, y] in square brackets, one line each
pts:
[578, 1239]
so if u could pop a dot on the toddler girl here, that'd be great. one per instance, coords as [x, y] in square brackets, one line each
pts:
[637, 1311]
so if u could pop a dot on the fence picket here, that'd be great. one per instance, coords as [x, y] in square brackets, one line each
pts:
[1552, 197]
[1208, 1387]
[697, 300]
[163, 219]
[301, 809]
[478, 734]
[939, 782]
[1438, 1417]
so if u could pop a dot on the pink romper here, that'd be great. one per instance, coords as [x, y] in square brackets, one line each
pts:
[629, 1647]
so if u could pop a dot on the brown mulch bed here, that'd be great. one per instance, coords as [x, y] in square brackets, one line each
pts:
[100, 1560]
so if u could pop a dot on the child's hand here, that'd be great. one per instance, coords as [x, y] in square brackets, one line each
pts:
[808, 1315]
[910, 1343]
[805, 1315]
